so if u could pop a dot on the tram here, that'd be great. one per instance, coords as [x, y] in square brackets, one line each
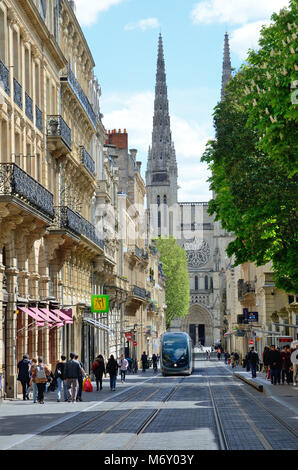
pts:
[176, 357]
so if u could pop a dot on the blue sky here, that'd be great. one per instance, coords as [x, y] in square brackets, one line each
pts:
[123, 38]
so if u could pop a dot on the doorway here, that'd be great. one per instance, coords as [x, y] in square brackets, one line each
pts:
[201, 333]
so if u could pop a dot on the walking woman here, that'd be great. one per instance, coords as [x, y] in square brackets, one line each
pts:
[98, 367]
[123, 364]
[112, 369]
[40, 374]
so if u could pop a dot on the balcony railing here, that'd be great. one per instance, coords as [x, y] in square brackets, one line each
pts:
[139, 292]
[245, 288]
[29, 107]
[38, 118]
[4, 78]
[88, 231]
[87, 161]
[57, 127]
[65, 218]
[16, 182]
[80, 94]
[17, 93]
[138, 252]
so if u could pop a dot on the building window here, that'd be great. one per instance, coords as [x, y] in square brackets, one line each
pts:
[206, 282]
[43, 8]
[158, 200]
[196, 283]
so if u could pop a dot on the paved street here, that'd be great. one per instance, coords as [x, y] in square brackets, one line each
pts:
[209, 410]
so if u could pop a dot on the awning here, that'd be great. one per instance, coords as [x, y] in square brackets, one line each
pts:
[42, 315]
[51, 315]
[98, 325]
[40, 321]
[68, 320]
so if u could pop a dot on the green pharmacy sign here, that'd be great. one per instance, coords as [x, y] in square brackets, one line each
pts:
[99, 303]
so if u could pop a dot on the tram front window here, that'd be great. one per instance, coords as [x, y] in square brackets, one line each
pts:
[175, 351]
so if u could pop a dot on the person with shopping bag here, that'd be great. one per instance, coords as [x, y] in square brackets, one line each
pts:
[87, 385]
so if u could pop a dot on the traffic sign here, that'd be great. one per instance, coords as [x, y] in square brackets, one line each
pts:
[251, 341]
[128, 336]
[134, 343]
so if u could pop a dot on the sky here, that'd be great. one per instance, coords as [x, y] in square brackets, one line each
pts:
[123, 38]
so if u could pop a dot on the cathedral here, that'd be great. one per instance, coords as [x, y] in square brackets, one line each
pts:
[196, 231]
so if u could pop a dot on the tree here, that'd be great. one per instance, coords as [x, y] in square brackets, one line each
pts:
[174, 265]
[253, 159]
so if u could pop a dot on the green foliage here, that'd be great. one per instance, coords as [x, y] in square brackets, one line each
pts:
[174, 265]
[254, 157]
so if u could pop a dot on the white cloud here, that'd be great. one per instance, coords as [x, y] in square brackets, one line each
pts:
[87, 11]
[143, 25]
[134, 113]
[246, 37]
[235, 11]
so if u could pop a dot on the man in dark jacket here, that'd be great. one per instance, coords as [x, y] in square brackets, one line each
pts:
[144, 360]
[98, 367]
[24, 375]
[60, 377]
[253, 360]
[274, 359]
[285, 365]
[72, 373]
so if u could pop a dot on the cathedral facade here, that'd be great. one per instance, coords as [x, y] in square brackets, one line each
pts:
[196, 231]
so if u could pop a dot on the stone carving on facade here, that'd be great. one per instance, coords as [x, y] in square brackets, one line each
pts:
[198, 252]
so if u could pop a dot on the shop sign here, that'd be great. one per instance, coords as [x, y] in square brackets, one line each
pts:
[99, 303]
[240, 333]
[253, 317]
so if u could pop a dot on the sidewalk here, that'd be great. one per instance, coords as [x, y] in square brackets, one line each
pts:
[286, 395]
[16, 415]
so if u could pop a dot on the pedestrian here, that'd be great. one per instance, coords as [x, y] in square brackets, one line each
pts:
[226, 356]
[24, 375]
[285, 365]
[233, 360]
[40, 374]
[123, 364]
[236, 355]
[98, 367]
[80, 379]
[218, 354]
[72, 373]
[59, 375]
[32, 382]
[295, 368]
[144, 361]
[274, 359]
[253, 360]
[154, 362]
[130, 364]
[112, 370]
[266, 362]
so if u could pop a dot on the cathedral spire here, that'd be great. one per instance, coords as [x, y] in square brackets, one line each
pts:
[226, 66]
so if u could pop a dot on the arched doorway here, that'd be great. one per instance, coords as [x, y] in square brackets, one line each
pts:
[198, 324]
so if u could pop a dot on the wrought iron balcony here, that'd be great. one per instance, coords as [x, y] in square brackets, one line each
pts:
[138, 252]
[87, 161]
[16, 182]
[88, 231]
[17, 93]
[29, 107]
[76, 87]
[58, 133]
[38, 118]
[67, 219]
[4, 78]
[245, 288]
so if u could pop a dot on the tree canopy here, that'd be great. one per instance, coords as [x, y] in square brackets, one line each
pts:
[253, 158]
[174, 265]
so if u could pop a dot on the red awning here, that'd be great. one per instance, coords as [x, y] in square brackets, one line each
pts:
[40, 321]
[68, 320]
[51, 315]
[42, 315]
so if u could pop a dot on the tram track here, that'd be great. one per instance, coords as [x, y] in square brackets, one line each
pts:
[250, 420]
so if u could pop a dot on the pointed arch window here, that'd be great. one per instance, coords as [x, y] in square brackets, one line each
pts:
[196, 283]
[165, 201]
[206, 282]
[158, 200]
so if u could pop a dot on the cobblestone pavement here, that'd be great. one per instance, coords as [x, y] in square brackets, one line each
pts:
[210, 410]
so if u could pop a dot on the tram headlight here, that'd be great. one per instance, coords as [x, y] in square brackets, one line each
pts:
[175, 365]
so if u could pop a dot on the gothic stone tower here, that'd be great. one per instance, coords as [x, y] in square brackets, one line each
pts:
[161, 174]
